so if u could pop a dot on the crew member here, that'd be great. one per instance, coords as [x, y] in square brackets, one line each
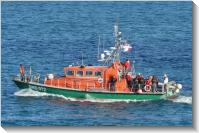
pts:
[113, 81]
[129, 81]
[154, 83]
[140, 80]
[22, 72]
[134, 83]
[119, 74]
[127, 65]
[165, 81]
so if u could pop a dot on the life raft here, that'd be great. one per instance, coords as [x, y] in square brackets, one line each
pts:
[100, 80]
[147, 87]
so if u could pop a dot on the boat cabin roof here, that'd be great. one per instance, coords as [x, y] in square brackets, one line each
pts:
[84, 71]
[86, 68]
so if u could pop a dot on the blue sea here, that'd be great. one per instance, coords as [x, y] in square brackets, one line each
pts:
[51, 35]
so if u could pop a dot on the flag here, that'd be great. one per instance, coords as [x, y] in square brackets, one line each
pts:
[126, 47]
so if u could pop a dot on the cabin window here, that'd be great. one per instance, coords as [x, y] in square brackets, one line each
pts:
[98, 74]
[69, 73]
[79, 73]
[89, 73]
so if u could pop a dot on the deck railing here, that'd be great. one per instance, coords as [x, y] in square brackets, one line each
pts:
[78, 84]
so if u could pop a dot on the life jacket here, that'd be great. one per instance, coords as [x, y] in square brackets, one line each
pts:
[128, 77]
[127, 64]
[147, 82]
[138, 77]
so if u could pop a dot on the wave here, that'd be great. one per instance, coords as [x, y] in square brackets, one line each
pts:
[32, 93]
[183, 99]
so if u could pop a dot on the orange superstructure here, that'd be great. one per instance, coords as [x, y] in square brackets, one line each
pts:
[107, 78]
[91, 77]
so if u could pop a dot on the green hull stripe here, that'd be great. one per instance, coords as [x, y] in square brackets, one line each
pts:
[86, 94]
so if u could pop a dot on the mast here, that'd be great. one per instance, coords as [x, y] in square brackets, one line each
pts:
[115, 51]
[113, 54]
[103, 43]
[117, 42]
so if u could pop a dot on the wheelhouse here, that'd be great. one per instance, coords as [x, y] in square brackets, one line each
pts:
[89, 71]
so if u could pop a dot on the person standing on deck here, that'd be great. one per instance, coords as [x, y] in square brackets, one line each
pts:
[154, 84]
[28, 78]
[113, 81]
[129, 81]
[127, 65]
[22, 72]
[140, 80]
[165, 81]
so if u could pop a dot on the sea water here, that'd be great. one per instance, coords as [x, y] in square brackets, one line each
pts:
[51, 35]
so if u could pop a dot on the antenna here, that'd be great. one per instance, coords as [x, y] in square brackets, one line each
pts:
[116, 29]
[99, 42]
[103, 43]
[82, 59]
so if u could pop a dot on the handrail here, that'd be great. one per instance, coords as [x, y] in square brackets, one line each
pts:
[65, 82]
[163, 88]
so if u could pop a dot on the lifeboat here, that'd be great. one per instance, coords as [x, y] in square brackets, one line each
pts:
[114, 79]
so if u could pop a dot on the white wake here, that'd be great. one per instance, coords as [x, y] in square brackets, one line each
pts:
[32, 93]
[183, 99]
